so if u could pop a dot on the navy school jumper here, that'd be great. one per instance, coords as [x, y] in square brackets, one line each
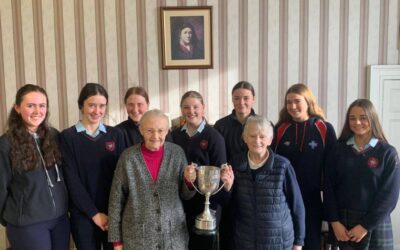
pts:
[365, 183]
[205, 148]
[90, 164]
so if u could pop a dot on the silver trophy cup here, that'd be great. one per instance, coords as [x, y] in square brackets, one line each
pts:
[208, 184]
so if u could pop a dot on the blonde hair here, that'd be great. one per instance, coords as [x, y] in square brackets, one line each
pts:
[313, 109]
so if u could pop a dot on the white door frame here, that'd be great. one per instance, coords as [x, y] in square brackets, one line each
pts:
[377, 74]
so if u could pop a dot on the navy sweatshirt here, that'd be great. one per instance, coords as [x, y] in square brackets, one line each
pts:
[26, 198]
[231, 129]
[205, 148]
[131, 132]
[89, 168]
[304, 146]
[366, 181]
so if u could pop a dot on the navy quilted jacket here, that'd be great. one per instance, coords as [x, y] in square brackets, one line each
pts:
[268, 208]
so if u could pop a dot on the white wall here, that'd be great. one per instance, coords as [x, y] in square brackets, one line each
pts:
[63, 44]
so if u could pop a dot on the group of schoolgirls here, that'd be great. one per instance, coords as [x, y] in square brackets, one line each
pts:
[54, 184]
[279, 172]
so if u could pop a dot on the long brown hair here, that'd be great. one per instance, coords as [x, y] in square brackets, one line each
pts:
[24, 155]
[372, 115]
[313, 109]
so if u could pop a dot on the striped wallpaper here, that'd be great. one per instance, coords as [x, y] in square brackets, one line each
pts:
[62, 44]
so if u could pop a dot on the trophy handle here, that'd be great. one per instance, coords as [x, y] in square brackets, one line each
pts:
[223, 184]
[196, 167]
[197, 188]
[219, 189]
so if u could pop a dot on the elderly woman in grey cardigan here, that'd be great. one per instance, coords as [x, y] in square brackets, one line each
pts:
[145, 210]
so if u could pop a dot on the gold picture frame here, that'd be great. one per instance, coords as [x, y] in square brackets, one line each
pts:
[186, 37]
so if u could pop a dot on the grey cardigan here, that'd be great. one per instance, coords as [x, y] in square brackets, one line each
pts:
[144, 214]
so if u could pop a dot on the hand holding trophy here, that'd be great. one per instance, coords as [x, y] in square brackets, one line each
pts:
[227, 176]
[208, 179]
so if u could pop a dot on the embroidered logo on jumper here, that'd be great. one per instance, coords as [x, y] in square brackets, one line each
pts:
[313, 144]
[110, 146]
[203, 144]
[286, 143]
[373, 162]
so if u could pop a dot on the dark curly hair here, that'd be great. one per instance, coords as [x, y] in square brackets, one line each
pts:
[23, 154]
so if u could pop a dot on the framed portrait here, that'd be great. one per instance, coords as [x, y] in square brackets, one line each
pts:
[186, 39]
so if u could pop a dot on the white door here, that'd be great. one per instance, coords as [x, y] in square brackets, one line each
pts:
[391, 112]
[384, 89]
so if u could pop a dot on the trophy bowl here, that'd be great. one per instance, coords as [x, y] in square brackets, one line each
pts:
[208, 178]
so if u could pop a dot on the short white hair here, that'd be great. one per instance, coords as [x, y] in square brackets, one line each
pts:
[261, 122]
[154, 113]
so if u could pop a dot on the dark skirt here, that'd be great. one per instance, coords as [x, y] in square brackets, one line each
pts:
[381, 238]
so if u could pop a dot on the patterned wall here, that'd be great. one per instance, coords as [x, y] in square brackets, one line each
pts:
[62, 44]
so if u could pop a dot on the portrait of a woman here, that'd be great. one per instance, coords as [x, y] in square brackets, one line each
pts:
[186, 43]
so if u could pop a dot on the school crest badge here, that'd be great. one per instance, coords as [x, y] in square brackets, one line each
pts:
[110, 146]
[203, 144]
[373, 162]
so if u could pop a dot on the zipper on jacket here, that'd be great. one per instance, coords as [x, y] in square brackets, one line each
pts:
[255, 184]
[52, 200]
[20, 208]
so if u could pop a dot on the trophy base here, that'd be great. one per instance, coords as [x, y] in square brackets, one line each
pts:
[204, 232]
[205, 225]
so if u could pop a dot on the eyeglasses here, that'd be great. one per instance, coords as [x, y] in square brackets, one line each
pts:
[151, 131]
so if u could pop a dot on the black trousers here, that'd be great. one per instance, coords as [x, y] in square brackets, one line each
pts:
[87, 235]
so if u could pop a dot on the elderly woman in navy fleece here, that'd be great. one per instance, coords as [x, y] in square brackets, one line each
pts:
[91, 151]
[362, 182]
[268, 210]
